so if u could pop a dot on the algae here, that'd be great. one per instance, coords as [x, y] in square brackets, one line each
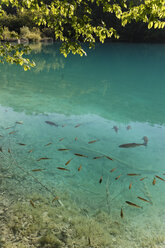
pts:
[52, 226]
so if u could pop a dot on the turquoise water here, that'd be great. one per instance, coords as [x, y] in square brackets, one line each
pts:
[115, 85]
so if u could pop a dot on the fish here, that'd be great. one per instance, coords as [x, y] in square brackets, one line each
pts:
[55, 198]
[79, 168]
[21, 144]
[38, 170]
[19, 122]
[42, 158]
[77, 125]
[121, 213]
[64, 149]
[30, 151]
[9, 127]
[62, 168]
[142, 178]
[130, 186]
[101, 179]
[115, 128]
[108, 157]
[145, 138]
[92, 141]
[61, 139]
[51, 123]
[131, 145]
[133, 204]
[63, 125]
[75, 138]
[97, 157]
[133, 174]
[128, 127]
[154, 181]
[12, 132]
[89, 241]
[143, 199]
[68, 162]
[160, 178]
[32, 203]
[1, 136]
[117, 177]
[9, 150]
[1, 149]
[48, 144]
[113, 170]
[80, 155]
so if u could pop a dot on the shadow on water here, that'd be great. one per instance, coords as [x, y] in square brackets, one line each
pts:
[74, 104]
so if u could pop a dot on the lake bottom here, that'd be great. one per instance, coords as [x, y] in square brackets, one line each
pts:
[65, 184]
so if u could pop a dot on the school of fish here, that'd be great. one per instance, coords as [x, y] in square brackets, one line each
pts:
[67, 167]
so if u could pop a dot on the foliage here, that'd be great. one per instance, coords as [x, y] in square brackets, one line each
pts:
[13, 54]
[7, 35]
[15, 22]
[72, 21]
[33, 35]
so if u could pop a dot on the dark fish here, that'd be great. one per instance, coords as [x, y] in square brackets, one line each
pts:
[121, 213]
[128, 127]
[61, 139]
[19, 122]
[1, 149]
[68, 162]
[64, 149]
[79, 168]
[117, 177]
[48, 144]
[89, 241]
[9, 150]
[77, 125]
[64, 125]
[142, 178]
[130, 186]
[51, 123]
[32, 203]
[42, 159]
[143, 199]
[21, 144]
[12, 132]
[8, 127]
[80, 155]
[108, 157]
[160, 178]
[92, 141]
[145, 138]
[133, 174]
[61, 168]
[115, 128]
[154, 181]
[55, 198]
[30, 151]
[113, 170]
[97, 157]
[1, 136]
[133, 204]
[101, 179]
[130, 145]
[38, 170]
